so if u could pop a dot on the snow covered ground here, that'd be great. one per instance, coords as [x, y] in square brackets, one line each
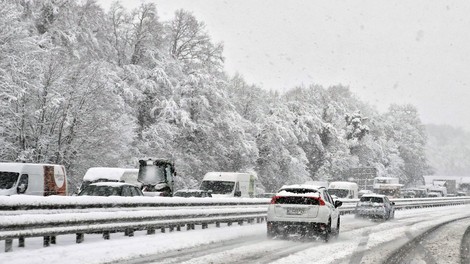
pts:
[364, 240]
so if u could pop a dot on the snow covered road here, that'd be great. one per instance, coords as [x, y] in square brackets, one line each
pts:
[360, 241]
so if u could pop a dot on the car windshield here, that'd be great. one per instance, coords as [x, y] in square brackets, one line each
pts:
[218, 187]
[8, 179]
[372, 199]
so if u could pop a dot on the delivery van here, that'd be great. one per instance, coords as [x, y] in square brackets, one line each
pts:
[32, 179]
[344, 190]
[108, 174]
[230, 184]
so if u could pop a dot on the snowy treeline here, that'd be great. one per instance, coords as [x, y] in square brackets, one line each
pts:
[83, 87]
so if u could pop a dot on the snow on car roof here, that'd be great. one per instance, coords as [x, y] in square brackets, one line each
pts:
[301, 186]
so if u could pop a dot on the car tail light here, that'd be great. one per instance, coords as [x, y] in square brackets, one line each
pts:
[320, 200]
[273, 200]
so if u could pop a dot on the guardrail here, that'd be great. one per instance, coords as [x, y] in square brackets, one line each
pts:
[120, 215]
[349, 205]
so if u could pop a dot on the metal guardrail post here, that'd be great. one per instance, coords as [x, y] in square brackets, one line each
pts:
[9, 245]
[106, 235]
[21, 241]
[79, 238]
[46, 241]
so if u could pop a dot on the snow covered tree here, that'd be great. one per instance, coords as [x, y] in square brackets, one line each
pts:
[404, 127]
[189, 43]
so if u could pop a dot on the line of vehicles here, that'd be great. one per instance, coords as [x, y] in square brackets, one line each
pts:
[154, 177]
[311, 209]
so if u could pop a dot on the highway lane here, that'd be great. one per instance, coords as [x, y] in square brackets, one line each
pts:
[361, 241]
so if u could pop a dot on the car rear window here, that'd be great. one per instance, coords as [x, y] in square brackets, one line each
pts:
[299, 190]
[372, 199]
[296, 200]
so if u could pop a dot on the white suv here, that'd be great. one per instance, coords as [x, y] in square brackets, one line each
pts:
[307, 209]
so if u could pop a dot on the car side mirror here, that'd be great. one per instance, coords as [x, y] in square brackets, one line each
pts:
[21, 188]
[338, 203]
[238, 194]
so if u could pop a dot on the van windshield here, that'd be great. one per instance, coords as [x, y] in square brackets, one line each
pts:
[8, 179]
[218, 187]
[340, 193]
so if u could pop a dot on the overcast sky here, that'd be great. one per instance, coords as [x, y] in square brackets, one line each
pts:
[387, 52]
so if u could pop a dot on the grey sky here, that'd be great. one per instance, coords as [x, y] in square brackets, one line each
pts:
[414, 52]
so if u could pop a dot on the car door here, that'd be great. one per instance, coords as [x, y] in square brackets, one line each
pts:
[388, 206]
[333, 210]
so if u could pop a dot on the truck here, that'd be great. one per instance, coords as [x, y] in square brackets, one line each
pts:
[450, 185]
[389, 186]
[110, 174]
[344, 190]
[230, 184]
[437, 191]
[156, 176]
[32, 179]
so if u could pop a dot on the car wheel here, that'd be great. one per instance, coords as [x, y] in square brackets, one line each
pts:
[271, 231]
[327, 232]
[337, 227]
[271, 234]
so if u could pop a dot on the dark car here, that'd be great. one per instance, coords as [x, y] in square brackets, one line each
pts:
[111, 189]
[375, 206]
[192, 193]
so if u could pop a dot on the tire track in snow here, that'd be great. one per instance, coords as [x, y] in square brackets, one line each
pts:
[361, 247]
[198, 251]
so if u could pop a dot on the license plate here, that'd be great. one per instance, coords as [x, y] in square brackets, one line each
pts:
[295, 211]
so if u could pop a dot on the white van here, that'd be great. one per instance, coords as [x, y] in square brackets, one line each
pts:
[32, 179]
[344, 190]
[106, 174]
[230, 184]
